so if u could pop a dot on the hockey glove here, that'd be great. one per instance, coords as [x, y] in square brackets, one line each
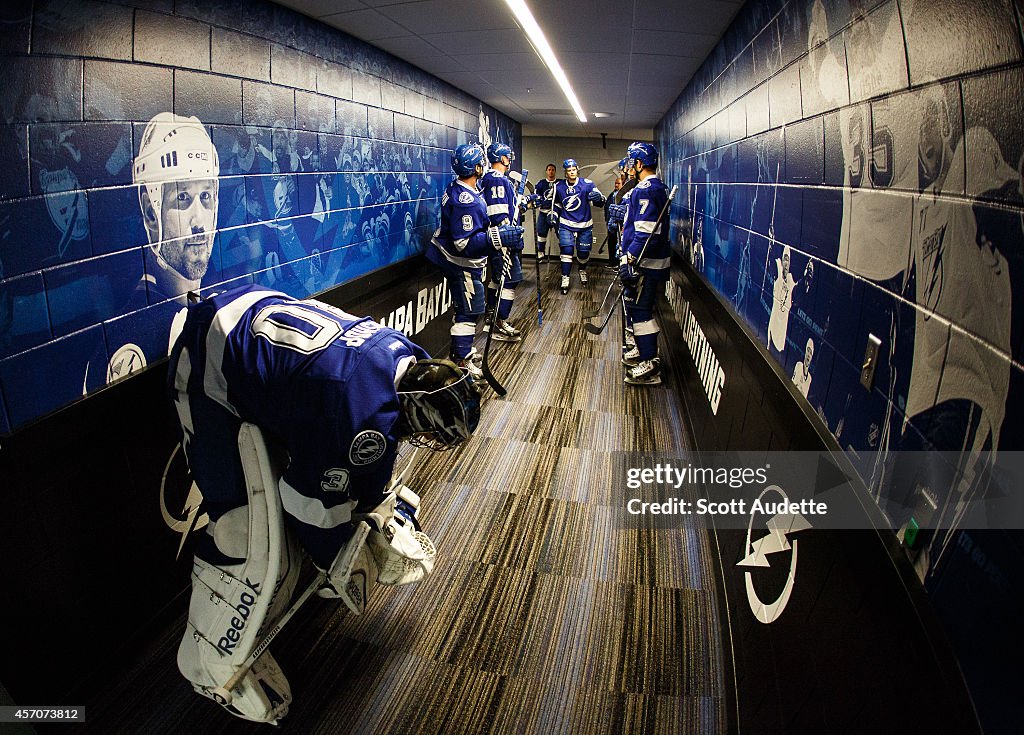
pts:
[552, 219]
[595, 197]
[529, 202]
[511, 236]
[629, 275]
[494, 235]
[616, 214]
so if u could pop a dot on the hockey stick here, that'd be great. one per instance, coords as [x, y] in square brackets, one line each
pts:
[536, 262]
[671, 195]
[485, 365]
[222, 694]
[591, 314]
[771, 228]
[590, 327]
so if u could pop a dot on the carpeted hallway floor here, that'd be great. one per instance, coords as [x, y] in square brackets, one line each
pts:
[545, 614]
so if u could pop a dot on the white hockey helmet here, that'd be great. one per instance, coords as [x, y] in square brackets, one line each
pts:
[174, 148]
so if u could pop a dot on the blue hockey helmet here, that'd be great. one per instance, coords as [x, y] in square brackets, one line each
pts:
[624, 163]
[570, 163]
[645, 153]
[496, 150]
[440, 406]
[466, 158]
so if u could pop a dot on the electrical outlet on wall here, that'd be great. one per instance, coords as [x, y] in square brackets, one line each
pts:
[868, 367]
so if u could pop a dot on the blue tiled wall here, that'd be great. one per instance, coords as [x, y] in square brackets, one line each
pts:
[881, 142]
[333, 156]
[803, 131]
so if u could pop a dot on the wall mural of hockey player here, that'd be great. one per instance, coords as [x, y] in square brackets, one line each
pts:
[176, 172]
[335, 394]
[959, 382]
[956, 386]
[571, 214]
[802, 370]
[879, 156]
[784, 292]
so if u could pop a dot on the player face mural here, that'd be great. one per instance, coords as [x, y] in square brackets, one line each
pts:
[188, 216]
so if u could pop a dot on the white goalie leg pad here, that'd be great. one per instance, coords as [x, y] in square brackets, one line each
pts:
[263, 694]
[353, 573]
[232, 606]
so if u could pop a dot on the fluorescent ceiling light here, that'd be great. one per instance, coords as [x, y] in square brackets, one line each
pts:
[543, 49]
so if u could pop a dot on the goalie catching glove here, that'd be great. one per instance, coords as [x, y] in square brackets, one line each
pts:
[387, 547]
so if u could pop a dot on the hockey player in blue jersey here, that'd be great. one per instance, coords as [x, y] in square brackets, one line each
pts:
[571, 212]
[544, 190]
[291, 414]
[645, 262]
[499, 192]
[460, 247]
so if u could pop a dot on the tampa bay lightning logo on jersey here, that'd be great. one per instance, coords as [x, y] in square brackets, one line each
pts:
[572, 203]
[367, 447]
[466, 198]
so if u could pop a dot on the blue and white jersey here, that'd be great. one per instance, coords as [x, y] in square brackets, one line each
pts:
[319, 382]
[499, 192]
[544, 189]
[461, 238]
[644, 203]
[572, 206]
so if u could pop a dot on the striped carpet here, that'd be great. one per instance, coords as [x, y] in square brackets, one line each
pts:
[545, 614]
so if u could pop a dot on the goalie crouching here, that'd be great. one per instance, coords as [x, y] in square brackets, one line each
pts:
[291, 414]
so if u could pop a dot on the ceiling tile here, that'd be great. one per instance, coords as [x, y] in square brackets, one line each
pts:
[705, 16]
[407, 46]
[317, 8]
[368, 25]
[522, 60]
[476, 46]
[383, 3]
[438, 16]
[435, 63]
[690, 45]
[475, 42]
